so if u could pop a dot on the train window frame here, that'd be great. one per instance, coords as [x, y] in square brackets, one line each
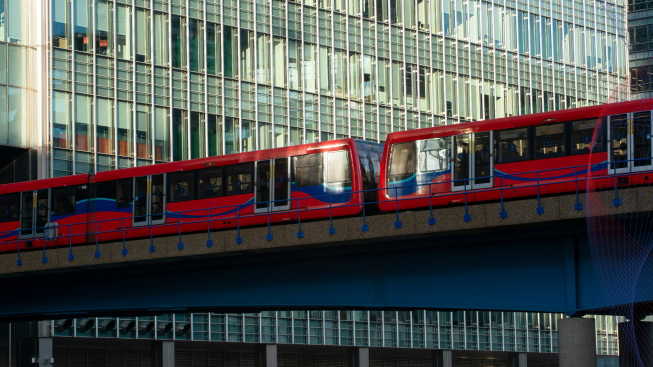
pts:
[313, 168]
[58, 202]
[127, 184]
[498, 140]
[404, 174]
[174, 179]
[6, 199]
[219, 172]
[338, 162]
[245, 169]
[601, 137]
[538, 139]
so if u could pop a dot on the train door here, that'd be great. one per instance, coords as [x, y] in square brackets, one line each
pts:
[149, 200]
[472, 161]
[34, 212]
[272, 179]
[629, 142]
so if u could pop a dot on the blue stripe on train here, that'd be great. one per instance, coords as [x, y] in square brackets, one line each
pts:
[409, 186]
[326, 193]
[174, 215]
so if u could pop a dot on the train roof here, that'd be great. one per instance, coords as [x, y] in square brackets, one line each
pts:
[522, 120]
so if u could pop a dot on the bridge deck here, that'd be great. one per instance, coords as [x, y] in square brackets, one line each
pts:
[348, 231]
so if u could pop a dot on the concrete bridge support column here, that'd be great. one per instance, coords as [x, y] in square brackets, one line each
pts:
[268, 355]
[442, 358]
[635, 344]
[164, 354]
[361, 357]
[577, 338]
[520, 360]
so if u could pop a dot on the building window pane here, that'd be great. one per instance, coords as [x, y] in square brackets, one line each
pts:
[104, 28]
[17, 74]
[124, 128]
[196, 45]
[279, 47]
[232, 135]
[354, 75]
[161, 39]
[60, 23]
[61, 130]
[123, 25]
[83, 132]
[18, 108]
[178, 43]
[215, 135]
[162, 134]
[213, 48]
[230, 44]
[294, 64]
[17, 11]
[247, 55]
[341, 73]
[143, 138]
[325, 70]
[142, 35]
[263, 58]
[248, 136]
[196, 135]
[105, 142]
[82, 26]
[309, 68]
[180, 135]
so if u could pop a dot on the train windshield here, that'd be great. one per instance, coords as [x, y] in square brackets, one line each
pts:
[403, 162]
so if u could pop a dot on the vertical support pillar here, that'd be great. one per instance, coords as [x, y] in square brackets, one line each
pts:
[442, 358]
[268, 355]
[164, 354]
[44, 350]
[635, 344]
[577, 338]
[361, 357]
[520, 360]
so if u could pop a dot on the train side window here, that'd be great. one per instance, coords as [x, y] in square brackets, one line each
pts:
[180, 186]
[337, 167]
[434, 154]
[239, 179]
[582, 136]
[209, 183]
[403, 162]
[550, 141]
[9, 208]
[64, 201]
[106, 189]
[512, 145]
[124, 193]
[308, 170]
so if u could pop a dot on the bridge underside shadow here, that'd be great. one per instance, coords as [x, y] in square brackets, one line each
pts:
[547, 268]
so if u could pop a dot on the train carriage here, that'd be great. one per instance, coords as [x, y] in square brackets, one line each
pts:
[300, 182]
[552, 152]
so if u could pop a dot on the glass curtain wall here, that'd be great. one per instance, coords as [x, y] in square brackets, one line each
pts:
[174, 83]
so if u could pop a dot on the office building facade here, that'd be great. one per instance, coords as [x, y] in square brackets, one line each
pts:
[99, 85]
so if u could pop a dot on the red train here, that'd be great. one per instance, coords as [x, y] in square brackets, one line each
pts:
[449, 164]
[548, 152]
[188, 196]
